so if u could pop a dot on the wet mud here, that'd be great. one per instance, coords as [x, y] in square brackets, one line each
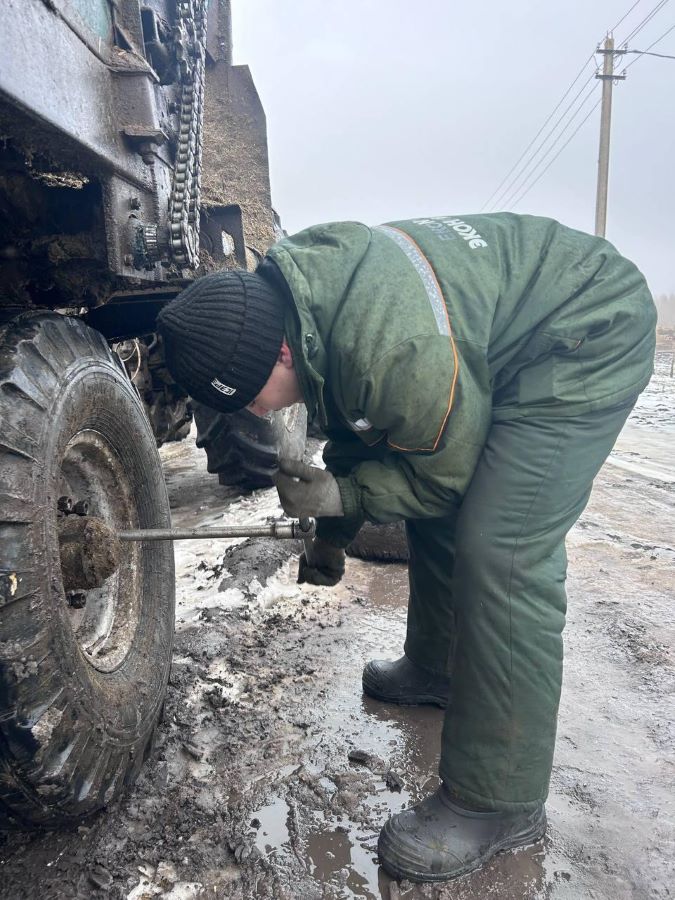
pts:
[89, 550]
[273, 773]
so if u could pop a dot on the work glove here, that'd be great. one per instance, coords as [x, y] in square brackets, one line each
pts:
[306, 491]
[326, 564]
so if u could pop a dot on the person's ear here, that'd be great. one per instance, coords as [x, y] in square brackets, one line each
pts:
[285, 355]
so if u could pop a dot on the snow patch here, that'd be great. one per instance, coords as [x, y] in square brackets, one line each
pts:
[44, 727]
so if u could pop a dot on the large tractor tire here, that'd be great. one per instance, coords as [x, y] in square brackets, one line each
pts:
[243, 449]
[380, 543]
[83, 674]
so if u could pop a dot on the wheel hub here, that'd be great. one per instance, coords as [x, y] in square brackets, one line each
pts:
[90, 552]
[101, 579]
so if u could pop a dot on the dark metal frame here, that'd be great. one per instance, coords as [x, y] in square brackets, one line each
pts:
[97, 104]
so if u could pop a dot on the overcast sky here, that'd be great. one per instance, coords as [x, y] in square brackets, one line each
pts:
[385, 109]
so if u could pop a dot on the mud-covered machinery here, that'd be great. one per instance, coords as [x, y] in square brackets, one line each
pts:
[133, 156]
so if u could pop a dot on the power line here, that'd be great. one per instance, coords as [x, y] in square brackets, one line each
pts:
[524, 173]
[587, 117]
[517, 185]
[625, 16]
[576, 130]
[556, 108]
[653, 44]
[650, 15]
[523, 169]
[496, 193]
[527, 183]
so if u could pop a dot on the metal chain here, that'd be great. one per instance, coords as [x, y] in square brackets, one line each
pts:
[190, 36]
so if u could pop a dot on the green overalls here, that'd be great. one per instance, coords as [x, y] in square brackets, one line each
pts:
[472, 374]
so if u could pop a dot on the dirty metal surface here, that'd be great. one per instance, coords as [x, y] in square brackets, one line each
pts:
[43, 59]
[273, 773]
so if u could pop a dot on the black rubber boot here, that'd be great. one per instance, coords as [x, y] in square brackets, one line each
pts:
[401, 681]
[437, 840]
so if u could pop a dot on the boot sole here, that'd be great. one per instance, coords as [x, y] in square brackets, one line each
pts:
[416, 700]
[527, 837]
[371, 688]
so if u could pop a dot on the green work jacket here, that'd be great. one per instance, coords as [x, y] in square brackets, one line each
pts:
[411, 338]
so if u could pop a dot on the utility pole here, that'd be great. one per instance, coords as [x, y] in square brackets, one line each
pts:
[608, 78]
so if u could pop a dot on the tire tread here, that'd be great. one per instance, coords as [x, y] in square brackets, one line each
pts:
[241, 448]
[72, 769]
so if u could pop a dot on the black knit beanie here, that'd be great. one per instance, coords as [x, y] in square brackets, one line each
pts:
[222, 337]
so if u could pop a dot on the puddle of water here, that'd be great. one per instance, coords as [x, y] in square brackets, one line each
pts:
[385, 586]
[412, 734]
[330, 851]
[273, 832]
[336, 858]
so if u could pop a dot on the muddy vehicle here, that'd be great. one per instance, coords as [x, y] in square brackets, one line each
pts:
[133, 157]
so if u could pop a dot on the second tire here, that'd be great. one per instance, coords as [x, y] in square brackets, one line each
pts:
[244, 449]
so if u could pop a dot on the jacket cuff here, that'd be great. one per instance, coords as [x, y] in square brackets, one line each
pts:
[337, 532]
[341, 530]
[351, 501]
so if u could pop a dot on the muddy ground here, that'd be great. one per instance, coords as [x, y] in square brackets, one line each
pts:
[273, 774]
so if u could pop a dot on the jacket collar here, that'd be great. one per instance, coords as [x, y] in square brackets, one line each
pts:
[310, 360]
